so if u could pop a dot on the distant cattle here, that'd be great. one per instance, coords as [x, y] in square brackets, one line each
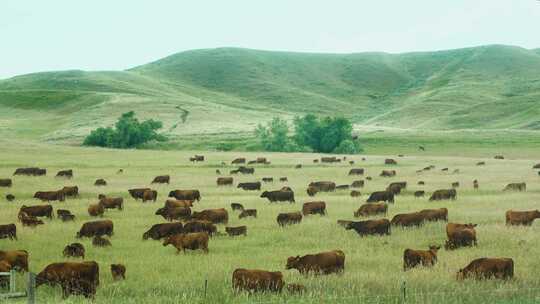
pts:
[421, 183]
[112, 202]
[186, 195]
[29, 220]
[237, 206]
[525, 218]
[315, 161]
[475, 184]
[455, 185]
[137, 193]
[65, 173]
[176, 213]
[331, 159]
[498, 157]
[96, 228]
[96, 210]
[159, 231]
[279, 196]
[283, 179]
[356, 171]
[358, 184]
[314, 208]
[218, 172]
[248, 213]
[408, 219]
[537, 166]
[215, 216]
[390, 161]
[8, 231]
[419, 193]
[10, 197]
[254, 280]
[240, 160]
[370, 227]
[444, 169]
[487, 268]
[388, 173]
[371, 209]
[413, 258]
[289, 218]
[243, 170]
[99, 241]
[298, 166]
[162, 179]
[191, 241]
[460, 235]
[100, 182]
[17, 259]
[71, 191]
[197, 158]
[516, 187]
[369, 178]
[224, 181]
[118, 272]
[250, 186]
[443, 194]
[355, 193]
[48, 196]
[235, 231]
[320, 263]
[74, 250]
[6, 182]
[323, 186]
[381, 196]
[149, 195]
[482, 163]
[430, 215]
[30, 171]
[200, 226]
[74, 278]
[37, 210]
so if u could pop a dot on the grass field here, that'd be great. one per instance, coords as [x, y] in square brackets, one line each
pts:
[373, 266]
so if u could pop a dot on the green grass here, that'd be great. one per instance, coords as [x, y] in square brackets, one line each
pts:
[155, 274]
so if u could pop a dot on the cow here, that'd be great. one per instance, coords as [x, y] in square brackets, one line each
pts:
[243, 170]
[279, 196]
[137, 193]
[149, 195]
[320, 263]
[358, 184]
[315, 161]
[356, 171]
[482, 163]
[443, 194]
[71, 191]
[388, 173]
[394, 189]
[299, 166]
[162, 179]
[355, 193]
[234, 231]
[10, 197]
[487, 268]
[380, 227]
[455, 185]
[30, 171]
[200, 226]
[37, 210]
[75, 250]
[331, 159]
[215, 216]
[444, 169]
[176, 213]
[289, 218]
[224, 181]
[248, 212]
[159, 231]
[250, 186]
[96, 228]
[99, 241]
[498, 157]
[6, 182]
[408, 219]
[239, 160]
[96, 210]
[311, 191]
[323, 186]
[17, 259]
[421, 183]
[111, 202]
[283, 179]
[186, 195]
[525, 218]
[314, 208]
[196, 158]
[390, 161]
[118, 272]
[100, 182]
[120, 171]
[170, 203]
[254, 280]
[48, 196]
[475, 184]
[28, 220]
[65, 173]
[537, 166]
[419, 193]
[218, 172]
[192, 241]
[371, 209]
[516, 187]
[8, 231]
[74, 278]
[413, 258]
[381, 196]
[237, 206]
[460, 235]
[434, 214]
[343, 187]
[268, 179]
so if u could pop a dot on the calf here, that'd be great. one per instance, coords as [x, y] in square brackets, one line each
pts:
[100, 241]
[118, 272]
[413, 258]
[162, 179]
[75, 250]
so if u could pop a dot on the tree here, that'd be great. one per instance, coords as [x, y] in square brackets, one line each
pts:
[274, 136]
[322, 135]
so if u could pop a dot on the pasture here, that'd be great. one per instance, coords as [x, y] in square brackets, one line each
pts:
[373, 265]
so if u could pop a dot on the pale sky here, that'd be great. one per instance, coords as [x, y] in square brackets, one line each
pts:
[38, 35]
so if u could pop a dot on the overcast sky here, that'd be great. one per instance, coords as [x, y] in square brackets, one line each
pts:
[117, 34]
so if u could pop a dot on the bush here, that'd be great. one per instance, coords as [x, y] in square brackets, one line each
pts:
[348, 147]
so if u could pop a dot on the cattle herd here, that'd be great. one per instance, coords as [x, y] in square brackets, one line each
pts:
[189, 227]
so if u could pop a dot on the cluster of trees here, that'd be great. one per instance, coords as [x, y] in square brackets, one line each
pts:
[128, 132]
[311, 134]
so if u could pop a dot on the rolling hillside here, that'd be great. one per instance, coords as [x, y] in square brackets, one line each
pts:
[228, 91]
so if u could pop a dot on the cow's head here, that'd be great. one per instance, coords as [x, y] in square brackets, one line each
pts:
[171, 194]
[264, 194]
[292, 262]
[434, 248]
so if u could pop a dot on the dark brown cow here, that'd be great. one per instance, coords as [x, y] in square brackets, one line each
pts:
[159, 231]
[71, 191]
[289, 218]
[74, 278]
[314, 208]
[475, 184]
[455, 185]
[150, 195]
[250, 186]
[48, 196]
[394, 189]
[358, 184]
[239, 160]
[516, 187]
[224, 181]
[355, 193]
[200, 226]
[283, 179]
[279, 196]
[311, 191]
[421, 183]
[170, 203]
[38, 210]
[191, 241]
[17, 259]
[487, 268]
[112, 202]
[413, 258]
[137, 193]
[186, 195]
[243, 170]
[28, 220]
[237, 206]
[320, 263]
[65, 173]
[176, 213]
[99, 241]
[443, 194]
[388, 173]
[435, 214]
[356, 171]
[537, 166]
[247, 213]
[215, 216]
[499, 157]
[419, 193]
[118, 272]
[30, 171]
[254, 280]
[268, 179]
[96, 228]
[482, 163]
[381, 196]
[197, 158]
[235, 231]
[96, 210]
[100, 182]
[408, 219]
[8, 231]
[10, 197]
[75, 250]
[6, 182]
[162, 179]
[380, 227]
[323, 186]
[525, 218]
[371, 209]
[390, 161]
[299, 166]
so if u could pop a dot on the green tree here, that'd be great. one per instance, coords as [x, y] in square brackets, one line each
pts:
[322, 135]
[274, 136]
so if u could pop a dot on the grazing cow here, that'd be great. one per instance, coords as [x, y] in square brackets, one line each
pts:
[279, 196]
[65, 173]
[96, 210]
[356, 171]
[8, 231]
[419, 193]
[111, 202]
[320, 263]
[224, 181]
[96, 228]
[99, 241]
[525, 218]
[268, 179]
[388, 173]
[311, 191]
[37, 210]
[460, 235]
[331, 159]
[30, 221]
[323, 186]
[237, 206]
[390, 161]
[118, 272]
[191, 241]
[443, 194]
[17, 259]
[421, 183]
[499, 157]
[435, 214]
[178, 203]
[475, 184]
[137, 193]
[355, 193]
[394, 189]
[381, 196]
[371, 209]
[314, 208]
[74, 278]
[75, 250]
[380, 227]
[235, 231]
[149, 195]
[343, 187]
[455, 185]
[159, 231]
[254, 280]
[186, 195]
[516, 187]
[248, 212]
[250, 186]
[408, 219]
[487, 268]
[162, 179]
[200, 226]
[10, 197]
[48, 196]
[413, 258]
[30, 171]
[6, 182]
[215, 216]
[71, 191]
[239, 160]
[176, 213]
[289, 218]
[358, 184]
[243, 170]
[100, 182]
[283, 179]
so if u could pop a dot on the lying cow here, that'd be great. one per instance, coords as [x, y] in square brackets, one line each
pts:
[96, 210]
[388, 173]
[192, 241]
[320, 263]
[99, 241]
[487, 268]
[100, 182]
[237, 206]
[254, 280]
[65, 173]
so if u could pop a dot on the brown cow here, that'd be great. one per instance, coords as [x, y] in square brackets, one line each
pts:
[390, 161]
[358, 184]
[111, 202]
[65, 173]
[240, 160]
[311, 191]
[234, 231]
[137, 193]
[279, 196]
[215, 216]
[516, 187]
[6, 182]
[371, 209]
[224, 181]
[118, 272]
[267, 179]
[96, 210]
[250, 186]
[380, 227]
[314, 208]
[149, 195]
[408, 219]
[37, 210]
[200, 226]
[50, 196]
[487, 268]
[356, 171]
[499, 157]
[159, 231]
[8, 231]
[283, 179]
[320, 263]
[323, 186]
[355, 193]
[388, 173]
[75, 250]
[331, 159]
[96, 228]
[28, 220]
[289, 218]
[413, 258]
[74, 278]
[162, 179]
[460, 235]
[71, 191]
[100, 182]
[237, 206]
[192, 241]
[170, 203]
[443, 194]
[174, 213]
[254, 280]
[186, 195]
[100, 241]
[435, 214]
[381, 196]
[17, 259]
[421, 183]
[248, 212]
[482, 163]
[525, 218]
[30, 171]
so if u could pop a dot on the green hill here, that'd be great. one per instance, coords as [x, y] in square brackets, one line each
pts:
[230, 90]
